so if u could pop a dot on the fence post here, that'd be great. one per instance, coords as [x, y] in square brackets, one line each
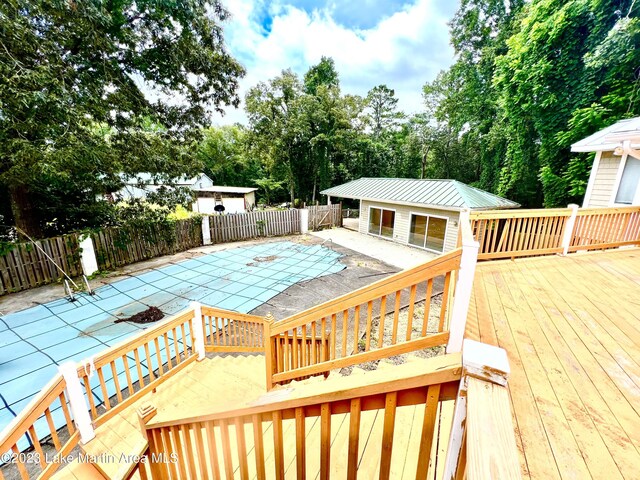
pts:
[268, 349]
[206, 232]
[464, 285]
[198, 330]
[77, 402]
[304, 221]
[569, 228]
[88, 255]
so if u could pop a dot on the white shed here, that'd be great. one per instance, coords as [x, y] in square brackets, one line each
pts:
[233, 199]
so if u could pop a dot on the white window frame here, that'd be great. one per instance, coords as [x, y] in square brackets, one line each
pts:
[395, 215]
[614, 194]
[426, 232]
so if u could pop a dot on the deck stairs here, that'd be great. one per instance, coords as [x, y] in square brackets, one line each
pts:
[226, 381]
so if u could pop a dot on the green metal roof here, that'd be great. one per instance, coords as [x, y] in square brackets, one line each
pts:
[446, 194]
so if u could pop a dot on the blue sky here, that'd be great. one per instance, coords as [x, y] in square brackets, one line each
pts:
[401, 44]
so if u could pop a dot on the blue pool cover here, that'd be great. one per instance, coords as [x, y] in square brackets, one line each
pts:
[34, 341]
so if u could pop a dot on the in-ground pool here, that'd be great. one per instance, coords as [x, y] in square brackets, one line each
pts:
[34, 341]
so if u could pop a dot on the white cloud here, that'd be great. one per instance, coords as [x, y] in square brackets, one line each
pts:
[403, 50]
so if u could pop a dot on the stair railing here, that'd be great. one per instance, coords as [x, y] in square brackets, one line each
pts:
[354, 328]
[300, 422]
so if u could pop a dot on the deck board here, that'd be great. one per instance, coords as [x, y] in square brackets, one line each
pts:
[571, 328]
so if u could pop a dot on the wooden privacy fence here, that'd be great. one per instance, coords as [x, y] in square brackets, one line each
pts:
[242, 226]
[325, 216]
[515, 233]
[345, 327]
[119, 246]
[25, 266]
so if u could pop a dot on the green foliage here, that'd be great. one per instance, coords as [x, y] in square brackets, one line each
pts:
[74, 114]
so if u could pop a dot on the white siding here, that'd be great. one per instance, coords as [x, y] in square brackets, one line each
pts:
[604, 181]
[403, 221]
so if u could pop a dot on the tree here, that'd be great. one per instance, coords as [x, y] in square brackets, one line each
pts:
[324, 73]
[383, 107]
[72, 91]
[564, 73]
[226, 158]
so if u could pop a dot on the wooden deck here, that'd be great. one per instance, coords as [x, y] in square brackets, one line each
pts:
[571, 327]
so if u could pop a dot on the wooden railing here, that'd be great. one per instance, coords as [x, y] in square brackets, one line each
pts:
[227, 331]
[115, 379]
[35, 427]
[346, 330]
[299, 427]
[515, 233]
[601, 228]
[137, 366]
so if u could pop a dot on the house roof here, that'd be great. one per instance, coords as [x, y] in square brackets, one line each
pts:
[611, 137]
[147, 179]
[225, 189]
[443, 194]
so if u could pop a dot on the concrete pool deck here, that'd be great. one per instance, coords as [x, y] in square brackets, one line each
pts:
[387, 251]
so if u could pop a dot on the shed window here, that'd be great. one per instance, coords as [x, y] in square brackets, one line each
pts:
[381, 222]
[428, 232]
[629, 181]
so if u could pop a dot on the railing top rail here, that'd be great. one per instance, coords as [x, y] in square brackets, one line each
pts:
[435, 370]
[39, 403]
[222, 313]
[137, 340]
[608, 210]
[524, 213]
[434, 268]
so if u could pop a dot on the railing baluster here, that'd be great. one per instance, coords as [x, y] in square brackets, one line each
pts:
[301, 459]
[445, 299]
[165, 337]
[103, 388]
[213, 449]
[383, 315]
[356, 329]
[159, 357]
[258, 443]
[325, 441]
[226, 449]
[412, 301]
[387, 434]
[242, 448]
[345, 320]
[396, 318]
[136, 355]
[181, 460]
[278, 448]
[125, 362]
[116, 382]
[333, 335]
[428, 429]
[305, 359]
[369, 321]
[354, 439]
[149, 364]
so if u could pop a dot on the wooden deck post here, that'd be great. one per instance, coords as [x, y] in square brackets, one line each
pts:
[77, 402]
[268, 349]
[198, 330]
[569, 228]
[464, 285]
[485, 362]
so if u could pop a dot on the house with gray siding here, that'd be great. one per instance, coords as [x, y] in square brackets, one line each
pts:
[418, 213]
[615, 174]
